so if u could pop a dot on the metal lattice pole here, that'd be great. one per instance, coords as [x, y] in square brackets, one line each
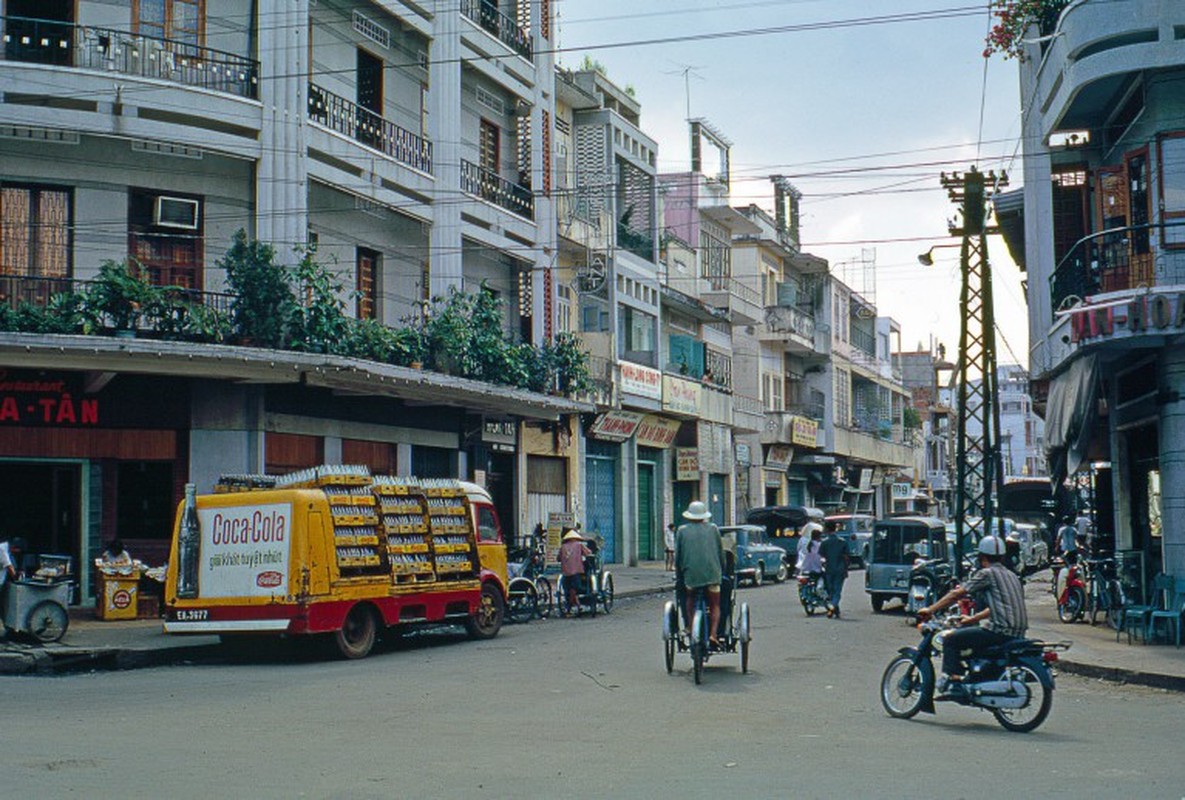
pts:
[978, 465]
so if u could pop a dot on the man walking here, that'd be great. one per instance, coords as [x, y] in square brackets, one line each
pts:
[835, 568]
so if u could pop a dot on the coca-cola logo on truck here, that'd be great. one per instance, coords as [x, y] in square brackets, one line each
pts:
[269, 579]
[248, 526]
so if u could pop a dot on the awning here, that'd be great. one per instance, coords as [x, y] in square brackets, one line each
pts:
[1069, 417]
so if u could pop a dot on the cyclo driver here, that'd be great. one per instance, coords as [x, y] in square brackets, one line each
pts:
[998, 594]
[699, 563]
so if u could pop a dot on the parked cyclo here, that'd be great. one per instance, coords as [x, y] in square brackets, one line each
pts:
[594, 588]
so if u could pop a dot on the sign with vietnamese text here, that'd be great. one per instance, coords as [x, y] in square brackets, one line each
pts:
[615, 426]
[779, 457]
[686, 464]
[38, 399]
[804, 431]
[902, 491]
[1146, 313]
[656, 431]
[639, 380]
[680, 395]
[244, 550]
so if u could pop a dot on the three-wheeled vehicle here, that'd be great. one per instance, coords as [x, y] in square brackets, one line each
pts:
[593, 588]
[735, 631]
[36, 605]
[782, 525]
[898, 544]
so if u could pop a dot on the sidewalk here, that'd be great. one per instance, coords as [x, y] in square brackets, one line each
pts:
[93, 644]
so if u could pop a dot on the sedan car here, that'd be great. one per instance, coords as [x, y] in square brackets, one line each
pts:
[756, 558]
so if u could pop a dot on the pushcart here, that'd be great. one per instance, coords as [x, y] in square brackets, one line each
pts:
[37, 605]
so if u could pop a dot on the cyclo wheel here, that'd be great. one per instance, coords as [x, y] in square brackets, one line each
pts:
[562, 603]
[699, 645]
[523, 600]
[1032, 713]
[904, 687]
[607, 593]
[546, 597]
[1114, 600]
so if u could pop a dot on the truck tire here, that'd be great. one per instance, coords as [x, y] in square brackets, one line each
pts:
[486, 621]
[358, 632]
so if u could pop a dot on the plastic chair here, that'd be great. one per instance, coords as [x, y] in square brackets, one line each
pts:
[1171, 614]
[1136, 614]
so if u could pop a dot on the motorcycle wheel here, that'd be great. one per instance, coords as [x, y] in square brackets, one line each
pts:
[1032, 713]
[905, 688]
[1075, 602]
[808, 602]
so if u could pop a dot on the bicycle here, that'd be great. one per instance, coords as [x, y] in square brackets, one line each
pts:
[1104, 592]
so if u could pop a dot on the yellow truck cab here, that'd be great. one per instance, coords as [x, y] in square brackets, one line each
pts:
[334, 550]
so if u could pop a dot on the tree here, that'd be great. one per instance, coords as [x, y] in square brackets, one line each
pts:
[1015, 18]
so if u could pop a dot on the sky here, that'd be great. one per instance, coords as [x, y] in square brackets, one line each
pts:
[892, 106]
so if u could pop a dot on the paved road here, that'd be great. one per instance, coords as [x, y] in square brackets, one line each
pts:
[575, 708]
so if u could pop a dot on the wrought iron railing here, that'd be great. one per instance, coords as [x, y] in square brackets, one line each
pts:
[733, 287]
[492, 187]
[352, 120]
[815, 411]
[66, 44]
[486, 14]
[1116, 259]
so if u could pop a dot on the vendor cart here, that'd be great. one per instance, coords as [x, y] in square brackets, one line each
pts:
[37, 605]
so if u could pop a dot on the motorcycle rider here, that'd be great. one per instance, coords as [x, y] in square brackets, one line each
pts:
[1000, 597]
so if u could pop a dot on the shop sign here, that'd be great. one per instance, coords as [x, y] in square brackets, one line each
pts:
[656, 431]
[35, 399]
[500, 433]
[1143, 314]
[686, 463]
[743, 457]
[639, 380]
[557, 523]
[680, 395]
[804, 431]
[245, 550]
[779, 457]
[902, 491]
[616, 426]
[773, 479]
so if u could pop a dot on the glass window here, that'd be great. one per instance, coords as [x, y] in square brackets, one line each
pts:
[1172, 188]
[487, 525]
[488, 146]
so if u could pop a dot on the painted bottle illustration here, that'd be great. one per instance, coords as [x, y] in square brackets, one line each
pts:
[188, 546]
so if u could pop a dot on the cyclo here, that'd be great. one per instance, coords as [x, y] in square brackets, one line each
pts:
[735, 628]
[593, 588]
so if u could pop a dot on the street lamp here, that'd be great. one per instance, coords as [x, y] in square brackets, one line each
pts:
[926, 259]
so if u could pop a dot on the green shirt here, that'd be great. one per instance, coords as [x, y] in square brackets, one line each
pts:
[699, 554]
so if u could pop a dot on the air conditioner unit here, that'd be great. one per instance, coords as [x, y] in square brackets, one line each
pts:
[175, 212]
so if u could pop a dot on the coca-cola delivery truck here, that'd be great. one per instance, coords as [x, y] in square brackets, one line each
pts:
[335, 551]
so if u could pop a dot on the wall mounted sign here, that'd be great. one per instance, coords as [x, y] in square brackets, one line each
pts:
[680, 395]
[656, 431]
[804, 431]
[39, 399]
[639, 380]
[1147, 313]
[615, 426]
[686, 464]
[779, 457]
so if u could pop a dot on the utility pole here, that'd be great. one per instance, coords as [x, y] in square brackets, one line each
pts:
[979, 467]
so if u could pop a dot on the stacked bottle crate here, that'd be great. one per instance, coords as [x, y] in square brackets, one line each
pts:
[454, 548]
[401, 505]
[352, 505]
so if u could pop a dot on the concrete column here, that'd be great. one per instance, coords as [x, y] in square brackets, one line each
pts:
[225, 432]
[281, 175]
[1172, 459]
[444, 129]
[403, 459]
[1120, 481]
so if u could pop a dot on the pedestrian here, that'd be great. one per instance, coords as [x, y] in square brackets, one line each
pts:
[12, 555]
[669, 543]
[1085, 528]
[834, 551]
[1067, 540]
[572, 553]
[699, 563]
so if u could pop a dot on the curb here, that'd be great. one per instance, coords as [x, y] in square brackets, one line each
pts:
[1154, 680]
[60, 661]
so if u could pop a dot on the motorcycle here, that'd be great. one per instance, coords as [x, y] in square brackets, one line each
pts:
[929, 580]
[1070, 589]
[811, 592]
[1013, 680]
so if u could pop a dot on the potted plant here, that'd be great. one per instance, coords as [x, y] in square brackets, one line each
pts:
[118, 296]
[264, 304]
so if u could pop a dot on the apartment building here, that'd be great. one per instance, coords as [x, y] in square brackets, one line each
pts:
[408, 144]
[1098, 227]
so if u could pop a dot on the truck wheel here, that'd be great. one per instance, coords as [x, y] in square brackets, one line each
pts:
[486, 621]
[358, 632]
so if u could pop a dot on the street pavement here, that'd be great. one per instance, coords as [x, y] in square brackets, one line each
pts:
[92, 644]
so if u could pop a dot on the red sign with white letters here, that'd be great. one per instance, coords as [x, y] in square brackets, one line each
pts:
[38, 399]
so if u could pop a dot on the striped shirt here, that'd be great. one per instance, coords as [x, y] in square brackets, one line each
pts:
[1005, 597]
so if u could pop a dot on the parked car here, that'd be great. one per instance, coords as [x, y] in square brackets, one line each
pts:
[897, 544]
[1033, 551]
[756, 558]
[856, 531]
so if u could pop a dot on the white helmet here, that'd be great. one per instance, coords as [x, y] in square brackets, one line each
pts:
[991, 546]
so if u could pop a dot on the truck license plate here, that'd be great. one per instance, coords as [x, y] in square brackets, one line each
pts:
[192, 614]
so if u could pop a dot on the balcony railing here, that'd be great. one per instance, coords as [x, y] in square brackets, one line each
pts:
[352, 120]
[486, 14]
[65, 44]
[815, 411]
[784, 320]
[639, 243]
[1113, 260]
[24, 290]
[733, 287]
[492, 187]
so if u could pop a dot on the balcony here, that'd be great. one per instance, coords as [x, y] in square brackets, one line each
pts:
[873, 449]
[65, 44]
[368, 128]
[493, 188]
[748, 414]
[1115, 260]
[742, 301]
[17, 291]
[485, 13]
[791, 325]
